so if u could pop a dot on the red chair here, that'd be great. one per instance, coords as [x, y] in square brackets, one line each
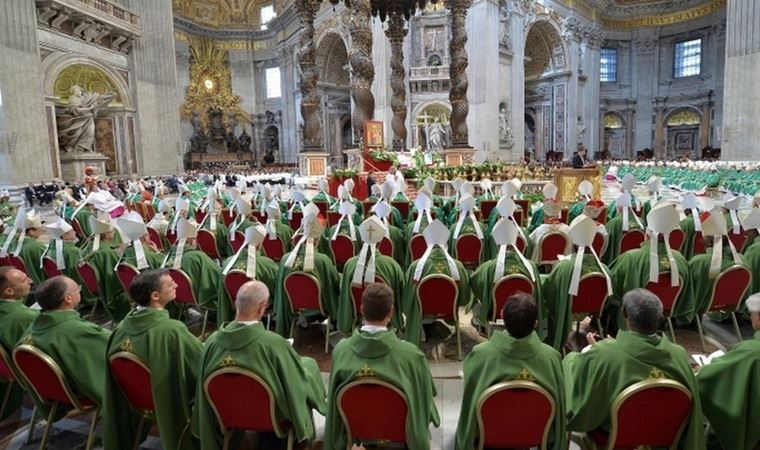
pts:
[668, 295]
[90, 280]
[295, 220]
[273, 248]
[468, 250]
[385, 247]
[728, 291]
[631, 240]
[48, 384]
[504, 288]
[200, 215]
[519, 217]
[233, 281]
[417, 247]
[438, 295]
[323, 207]
[238, 242]
[259, 216]
[403, 208]
[171, 236]
[356, 296]
[207, 244]
[231, 391]
[367, 208]
[486, 206]
[155, 238]
[524, 206]
[7, 376]
[503, 425]
[333, 217]
[698, 243]
[739, 240]
[148, 212]
[551, 245]
[50, 268]
[126, 273]
[649, 413]
[305, 294]
[133, 377]
[78, 228]
[342, 248]
[17, 262]
[373, 410]
[228, 217]
[592, 295]
[186, 294]
[676, 239]
[598, 244]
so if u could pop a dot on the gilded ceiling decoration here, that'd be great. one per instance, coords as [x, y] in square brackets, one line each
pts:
[612, 121]
[683, 117]
[543, 50]
[635, 9]
[89, 78]
[220, 13]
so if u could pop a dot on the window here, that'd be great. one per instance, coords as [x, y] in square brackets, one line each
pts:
[688, 58]
[267, 14]
[273, 82]
[609, 65]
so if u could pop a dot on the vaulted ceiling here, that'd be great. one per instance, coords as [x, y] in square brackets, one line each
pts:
[634, 8]
[221, 13]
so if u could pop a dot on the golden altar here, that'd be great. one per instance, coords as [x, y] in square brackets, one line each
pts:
[567, 181]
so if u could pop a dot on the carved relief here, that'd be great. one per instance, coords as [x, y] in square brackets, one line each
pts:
[311, 100]
[396, 33]
[362, 68]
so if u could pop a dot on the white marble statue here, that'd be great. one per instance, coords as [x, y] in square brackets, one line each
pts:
[77, 133]
[436, 136]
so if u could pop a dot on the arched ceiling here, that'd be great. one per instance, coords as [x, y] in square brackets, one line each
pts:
[221, 13]
[543, 50]
[636, 8]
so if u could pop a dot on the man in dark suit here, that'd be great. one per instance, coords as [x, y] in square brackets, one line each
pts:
[579, 159]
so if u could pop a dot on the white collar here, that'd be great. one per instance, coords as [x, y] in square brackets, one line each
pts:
[247, 322]
[373, 329]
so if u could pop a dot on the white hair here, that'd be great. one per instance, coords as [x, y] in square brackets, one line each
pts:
[753, 303]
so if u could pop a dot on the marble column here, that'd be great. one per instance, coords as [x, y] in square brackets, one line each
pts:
[154, 73]
[396, 33]
[516, 87]
[381, 81]
[482, 125]
[741, 95]
[289, 143]
[629, 121]
[591, 94]
[704, 127]
[659, 133]
[25, 153]
[644, 86]
[362, 67]
[311, 99]
[460, 107]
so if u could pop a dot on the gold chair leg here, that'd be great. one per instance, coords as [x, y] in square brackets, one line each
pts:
[672, 332]
[226, 443]
[138, 435]
[459, 338]
[327, 335]
[32, 424]
[736, 326]
[701, 333]
[93, 426]
[290, 439]
[599, 325]
[48, 426]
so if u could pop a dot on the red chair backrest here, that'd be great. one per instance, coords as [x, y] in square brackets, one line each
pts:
[385, 247]
[486, 206]
[564, 215]
[333, 217]
[185, 293]
[18, 263]
[207, 244]
[134, 379]
[238, 242]
[4, 261]
[729, 288]
[273, 248]
[228, 217]
[126, 273]
[171, 236]
[592, 293]
[676, 239]
[295, 220]
[156, 238]
[598, 244]
[89, 277]
[42, 373]
[6, 373]
[199, 215]
[373, 410]
[650, 413]
[667, 294]
[78, 228]
[259, 216]
[233, 281]
[520, 243]
[49, 267]
[148, 212]
[552, 245]
[342, 249]
[438, 296]
[323, 207]
[232, 392]
[303, 291]
[631, 240]
[417, 246]
[468, 250]
[358, 291]
[367, 208]
[699, 244]
[519, 217]
[403, 209]
[738, 239]
[524, 208]
[505, 288]
[503, 425]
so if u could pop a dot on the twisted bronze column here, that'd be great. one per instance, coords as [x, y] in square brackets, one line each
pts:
[310, 99]
[458, 73]
[362, 69]
[396, 33]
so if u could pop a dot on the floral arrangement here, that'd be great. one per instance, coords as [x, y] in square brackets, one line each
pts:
[495, 171]
[384, 155]
[344, 173]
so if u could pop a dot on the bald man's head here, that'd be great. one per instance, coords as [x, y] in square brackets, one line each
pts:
[251, 301]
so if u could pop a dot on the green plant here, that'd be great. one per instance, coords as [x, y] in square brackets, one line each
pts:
[344, 173]
[382, 155]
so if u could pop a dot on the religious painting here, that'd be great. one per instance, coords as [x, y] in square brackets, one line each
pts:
[373, 134]
[105, 142]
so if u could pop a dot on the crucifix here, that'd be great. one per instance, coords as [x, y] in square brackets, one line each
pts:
[370, 232]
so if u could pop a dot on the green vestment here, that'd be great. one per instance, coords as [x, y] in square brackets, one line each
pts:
[687, 226]
[386, 269]
[15, 318]
[110, 289]
[266, 272]
[154, 259]
[222, 234]
[505, 358]
[593, 380]
[482, 281]
[437, 264]
[326, 274]
[575, 210]
[701, 281]
[204, 273]
[557, 299]
[615, 235]
[752, 257]
[468, 227]
[31, 254]
[295, 381]
[384, 356]
[77, 345]
[729, 394]
[173, 355]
